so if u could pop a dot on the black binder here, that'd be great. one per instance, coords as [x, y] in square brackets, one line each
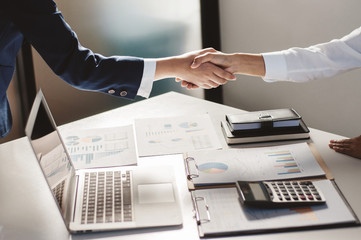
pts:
[285, 134]
[263, 120]
[263, 126]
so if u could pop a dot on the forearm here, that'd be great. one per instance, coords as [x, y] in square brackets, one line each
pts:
[167, 67]
[250, 64]
[317, 61]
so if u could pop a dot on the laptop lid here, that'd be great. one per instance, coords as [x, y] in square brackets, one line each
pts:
[52, 156]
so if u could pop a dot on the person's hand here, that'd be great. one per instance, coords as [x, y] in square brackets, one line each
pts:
[220, 59]
[206, 76]
[235, 63]
[186, 84]
[229, 62]
[351, 147]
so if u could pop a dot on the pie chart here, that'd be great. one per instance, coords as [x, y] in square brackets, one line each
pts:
[91, 139]
[213, 167]
[72, 140]
[188, 125]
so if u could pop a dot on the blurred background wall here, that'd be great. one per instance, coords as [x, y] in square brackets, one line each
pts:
[157, 28]
[141, 28]
[256, 26]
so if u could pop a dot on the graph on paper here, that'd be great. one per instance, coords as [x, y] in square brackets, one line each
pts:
[287, 161]
[159, 136]
[101, 147]
[305, 214]
[284, 162]
[213, 167]
[255, 164]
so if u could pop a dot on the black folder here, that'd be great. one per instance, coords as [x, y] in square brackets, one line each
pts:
[263, 126]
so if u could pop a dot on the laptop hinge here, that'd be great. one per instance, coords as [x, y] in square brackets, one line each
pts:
[75, 196]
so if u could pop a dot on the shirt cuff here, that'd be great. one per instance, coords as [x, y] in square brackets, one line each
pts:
[146, 84]
[276, 67]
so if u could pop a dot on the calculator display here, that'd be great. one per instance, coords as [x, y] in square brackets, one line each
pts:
[257, 191]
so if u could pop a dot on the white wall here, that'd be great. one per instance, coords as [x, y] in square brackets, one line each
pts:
[332, 104]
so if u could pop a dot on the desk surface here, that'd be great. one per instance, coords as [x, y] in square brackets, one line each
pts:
[28, 211]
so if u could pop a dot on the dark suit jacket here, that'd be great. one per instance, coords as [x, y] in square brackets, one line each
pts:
[40, 23]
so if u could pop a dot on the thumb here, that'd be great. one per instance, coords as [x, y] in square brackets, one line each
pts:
[197, 61]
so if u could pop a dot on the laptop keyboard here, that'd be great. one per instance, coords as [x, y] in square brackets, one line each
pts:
[58, 192]
[107, 197]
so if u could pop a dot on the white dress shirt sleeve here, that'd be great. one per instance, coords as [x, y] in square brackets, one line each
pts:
[146, 84]
[318, 61]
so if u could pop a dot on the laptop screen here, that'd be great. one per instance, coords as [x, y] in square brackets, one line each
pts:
[51, 153]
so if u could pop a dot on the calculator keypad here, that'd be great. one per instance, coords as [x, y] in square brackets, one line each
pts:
[294, 191]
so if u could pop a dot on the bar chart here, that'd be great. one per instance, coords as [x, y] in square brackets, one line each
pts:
[284, 162]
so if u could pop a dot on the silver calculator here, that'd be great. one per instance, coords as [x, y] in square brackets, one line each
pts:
[276, 194]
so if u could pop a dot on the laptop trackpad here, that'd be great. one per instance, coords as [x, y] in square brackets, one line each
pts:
[156, 193]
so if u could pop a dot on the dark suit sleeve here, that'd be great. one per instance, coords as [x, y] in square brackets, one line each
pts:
[45, 28]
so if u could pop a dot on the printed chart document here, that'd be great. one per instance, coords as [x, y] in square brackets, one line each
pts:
[226, 216]
[101, 147]
[252, 164]
[55, 165]
[159, 136]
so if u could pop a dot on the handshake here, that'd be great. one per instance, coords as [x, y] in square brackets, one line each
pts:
[208, 68]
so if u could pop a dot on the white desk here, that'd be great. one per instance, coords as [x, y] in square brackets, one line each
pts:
[28, 211]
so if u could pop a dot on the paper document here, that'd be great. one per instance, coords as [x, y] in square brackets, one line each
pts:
[228, 216]
[254, 164]
[1, 233]
[159, 136]
[101, 147]
[55, 165]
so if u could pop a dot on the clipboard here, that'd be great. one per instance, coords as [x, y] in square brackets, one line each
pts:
[218, 212]
[194, 174]
[217, 207]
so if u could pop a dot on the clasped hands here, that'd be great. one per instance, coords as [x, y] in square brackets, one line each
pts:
[201, 70]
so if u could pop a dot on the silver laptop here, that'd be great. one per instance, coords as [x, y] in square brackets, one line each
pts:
[104, 198]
